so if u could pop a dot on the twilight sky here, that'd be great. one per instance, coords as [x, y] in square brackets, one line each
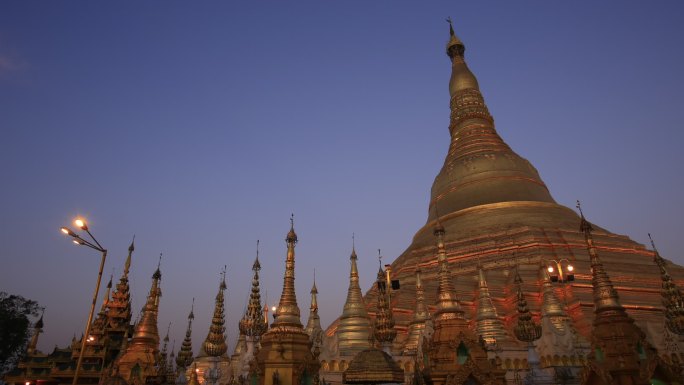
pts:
[199, 127]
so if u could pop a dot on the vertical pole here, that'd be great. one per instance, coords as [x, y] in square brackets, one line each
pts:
[90, 319]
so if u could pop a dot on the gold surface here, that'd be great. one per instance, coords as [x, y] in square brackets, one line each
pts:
[214, 344]
[353, 331]
[488, 325]
[313, 325]
[287, 314]
[373, 366]
[420, 316]
[142, 351]
[447, 302]
[286, 355]
[252, 323]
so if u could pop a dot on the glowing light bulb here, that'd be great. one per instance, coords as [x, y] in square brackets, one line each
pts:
[550, 269]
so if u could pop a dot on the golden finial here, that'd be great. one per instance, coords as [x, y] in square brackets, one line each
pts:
[157, 273]
[291, 238]
[256, 265]
[454, 47]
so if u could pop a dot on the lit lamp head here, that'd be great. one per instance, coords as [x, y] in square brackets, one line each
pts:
[553, 276]
[66, 231]
[80, 223]
[570, 276]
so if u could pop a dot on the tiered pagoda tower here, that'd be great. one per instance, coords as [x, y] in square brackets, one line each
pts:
[212, 364]
[285, 357]
[140, 357]
[252, 326]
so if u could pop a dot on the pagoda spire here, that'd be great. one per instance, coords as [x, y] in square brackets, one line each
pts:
[420, 317]
[384, 331]
[252, 323]
[673, 300]
[619, 346]
[605, 296]
[286, 355]
[215, 343]
[287, 313]
[447, 304]
[488, 324]
[353, 332]
[119, 306]
[184, 357]
[526, 329]
[146, 330]
[313, 325]
[480, 168]
[140, 357]
[314, 322]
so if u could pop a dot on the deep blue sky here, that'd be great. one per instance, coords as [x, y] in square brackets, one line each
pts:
[200, 127]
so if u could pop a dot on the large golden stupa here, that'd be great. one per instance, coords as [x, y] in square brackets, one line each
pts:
[499, 217]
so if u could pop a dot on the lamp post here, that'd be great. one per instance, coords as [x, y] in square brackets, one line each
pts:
[559, 274]
[95, 245]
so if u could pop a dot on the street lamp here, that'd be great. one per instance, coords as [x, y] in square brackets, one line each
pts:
[560, 274]
[95, 245]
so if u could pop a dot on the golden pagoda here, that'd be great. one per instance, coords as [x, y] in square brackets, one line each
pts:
[497, 213]
[139, 360]
[373, 365]
[286, 357]
[252, 326]
[212, 364]
[353, 331]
